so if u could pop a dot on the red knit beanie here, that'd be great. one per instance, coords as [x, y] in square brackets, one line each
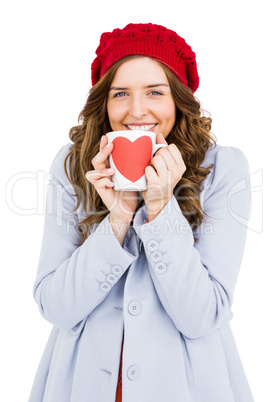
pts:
[150, 40]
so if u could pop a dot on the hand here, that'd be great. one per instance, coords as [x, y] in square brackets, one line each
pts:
[121, 204]
[163, 174]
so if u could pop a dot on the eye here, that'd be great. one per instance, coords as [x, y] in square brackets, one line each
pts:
[119, 94]
[155, 93]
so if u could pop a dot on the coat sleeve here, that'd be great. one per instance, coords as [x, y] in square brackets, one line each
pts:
[73, 280]
[195, 281]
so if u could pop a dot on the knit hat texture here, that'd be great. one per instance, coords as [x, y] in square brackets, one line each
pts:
[151, 40]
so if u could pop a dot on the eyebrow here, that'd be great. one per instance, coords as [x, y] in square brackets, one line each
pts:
[147, 86]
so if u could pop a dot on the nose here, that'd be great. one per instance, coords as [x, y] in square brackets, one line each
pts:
[138, 107]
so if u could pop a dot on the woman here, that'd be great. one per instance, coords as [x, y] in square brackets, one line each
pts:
[139, 287]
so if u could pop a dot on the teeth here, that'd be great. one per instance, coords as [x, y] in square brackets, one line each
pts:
[144, 128]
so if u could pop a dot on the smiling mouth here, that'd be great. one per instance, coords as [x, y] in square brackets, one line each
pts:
[145, 127]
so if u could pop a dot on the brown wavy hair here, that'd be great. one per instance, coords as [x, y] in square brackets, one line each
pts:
[191, 133]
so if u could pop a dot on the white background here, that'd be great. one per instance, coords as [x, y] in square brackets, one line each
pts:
[47, 49]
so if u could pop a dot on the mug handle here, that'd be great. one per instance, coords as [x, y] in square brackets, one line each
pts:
[156, 147]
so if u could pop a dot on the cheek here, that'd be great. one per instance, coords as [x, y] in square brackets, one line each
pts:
[172, 112]
[167, 112]
[115, 112]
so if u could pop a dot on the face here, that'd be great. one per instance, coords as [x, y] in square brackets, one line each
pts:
[140, 98]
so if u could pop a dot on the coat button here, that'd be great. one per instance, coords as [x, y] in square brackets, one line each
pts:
[156, 256]
[133, 373]
[117, 270]
[111, 278]
[134, 308]
[152, 245]
[160, 268]
[105, 287]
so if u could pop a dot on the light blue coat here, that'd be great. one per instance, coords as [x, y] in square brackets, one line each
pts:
[171, 295]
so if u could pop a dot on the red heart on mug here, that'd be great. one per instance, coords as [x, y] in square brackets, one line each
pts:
[131, 158]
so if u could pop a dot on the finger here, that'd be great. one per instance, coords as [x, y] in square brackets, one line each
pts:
[101, 183]
[93, 175]
[175, 169]
[177, 156]
[151, 175]
[160, 139]
[173, 159]
[105, 182]
[103, 142]
[167, 157]
[175, 153]
[101, 161]
[159, 165]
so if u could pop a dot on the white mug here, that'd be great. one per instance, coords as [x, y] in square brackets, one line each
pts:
[132, 153]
